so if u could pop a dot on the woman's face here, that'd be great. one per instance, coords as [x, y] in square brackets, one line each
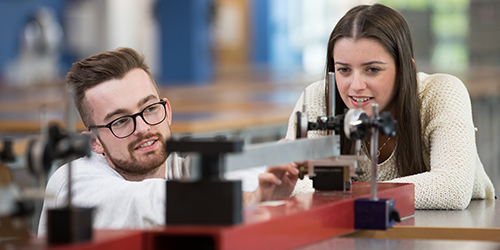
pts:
[365, 74]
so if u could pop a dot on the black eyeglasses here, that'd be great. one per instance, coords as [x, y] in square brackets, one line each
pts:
[124, 126]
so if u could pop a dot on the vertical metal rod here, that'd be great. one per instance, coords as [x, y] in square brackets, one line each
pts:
[331, 97]
[357, 148]
[304, 107]
[44, 120]
[71, 128]
[44, 134]
[332, 87]
[374, 155]
[69, 197]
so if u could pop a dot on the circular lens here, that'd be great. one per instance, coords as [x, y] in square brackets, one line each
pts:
[154, 114]
[123, 126]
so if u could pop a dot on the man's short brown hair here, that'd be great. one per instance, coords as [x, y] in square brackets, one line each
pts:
[99, 68]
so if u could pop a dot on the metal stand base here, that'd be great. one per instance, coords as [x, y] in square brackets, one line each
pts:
[204, 202]
[375, 214]
[331, 178]
[69, 225]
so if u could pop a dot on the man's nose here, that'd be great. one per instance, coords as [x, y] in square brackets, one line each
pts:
[140, 125]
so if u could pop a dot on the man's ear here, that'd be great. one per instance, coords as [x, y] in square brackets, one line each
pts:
[169, 111]
[95, 144]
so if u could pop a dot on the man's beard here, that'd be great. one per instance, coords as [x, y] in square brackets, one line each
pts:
[136, 167]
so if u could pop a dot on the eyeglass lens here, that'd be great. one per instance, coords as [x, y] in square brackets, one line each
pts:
[152, 115]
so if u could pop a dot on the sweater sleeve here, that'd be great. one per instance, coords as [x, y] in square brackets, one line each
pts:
[449, 141]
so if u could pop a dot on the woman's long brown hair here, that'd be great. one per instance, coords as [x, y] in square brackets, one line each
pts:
[390, 29]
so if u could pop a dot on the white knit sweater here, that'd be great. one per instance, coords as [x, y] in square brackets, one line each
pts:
[455, 173]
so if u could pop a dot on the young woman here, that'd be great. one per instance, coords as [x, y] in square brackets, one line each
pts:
[370, 50]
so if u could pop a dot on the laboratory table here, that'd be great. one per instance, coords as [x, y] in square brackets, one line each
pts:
[477, 227]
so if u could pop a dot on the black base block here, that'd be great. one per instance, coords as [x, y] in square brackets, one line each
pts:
[69, 225]
[375, 214]
[331, 178]
[204, 203]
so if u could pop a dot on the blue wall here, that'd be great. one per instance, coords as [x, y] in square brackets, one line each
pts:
[14, 14]
[271, 46]
[185, 41]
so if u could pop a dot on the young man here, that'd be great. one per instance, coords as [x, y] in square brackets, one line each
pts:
[128, 122]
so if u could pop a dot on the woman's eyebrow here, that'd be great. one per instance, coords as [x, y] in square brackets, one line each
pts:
[373, 62]
[363, 64]
[341, 63]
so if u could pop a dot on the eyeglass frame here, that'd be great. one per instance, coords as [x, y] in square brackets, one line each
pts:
[134, 116]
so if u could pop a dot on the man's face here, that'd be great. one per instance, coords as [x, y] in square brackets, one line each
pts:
[143, 152]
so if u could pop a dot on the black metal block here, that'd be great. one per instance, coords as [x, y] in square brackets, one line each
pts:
[331, 178]
[69, 225]
[375, 214]
[204, 202]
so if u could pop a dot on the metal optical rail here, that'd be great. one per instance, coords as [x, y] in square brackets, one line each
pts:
[272, 153]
